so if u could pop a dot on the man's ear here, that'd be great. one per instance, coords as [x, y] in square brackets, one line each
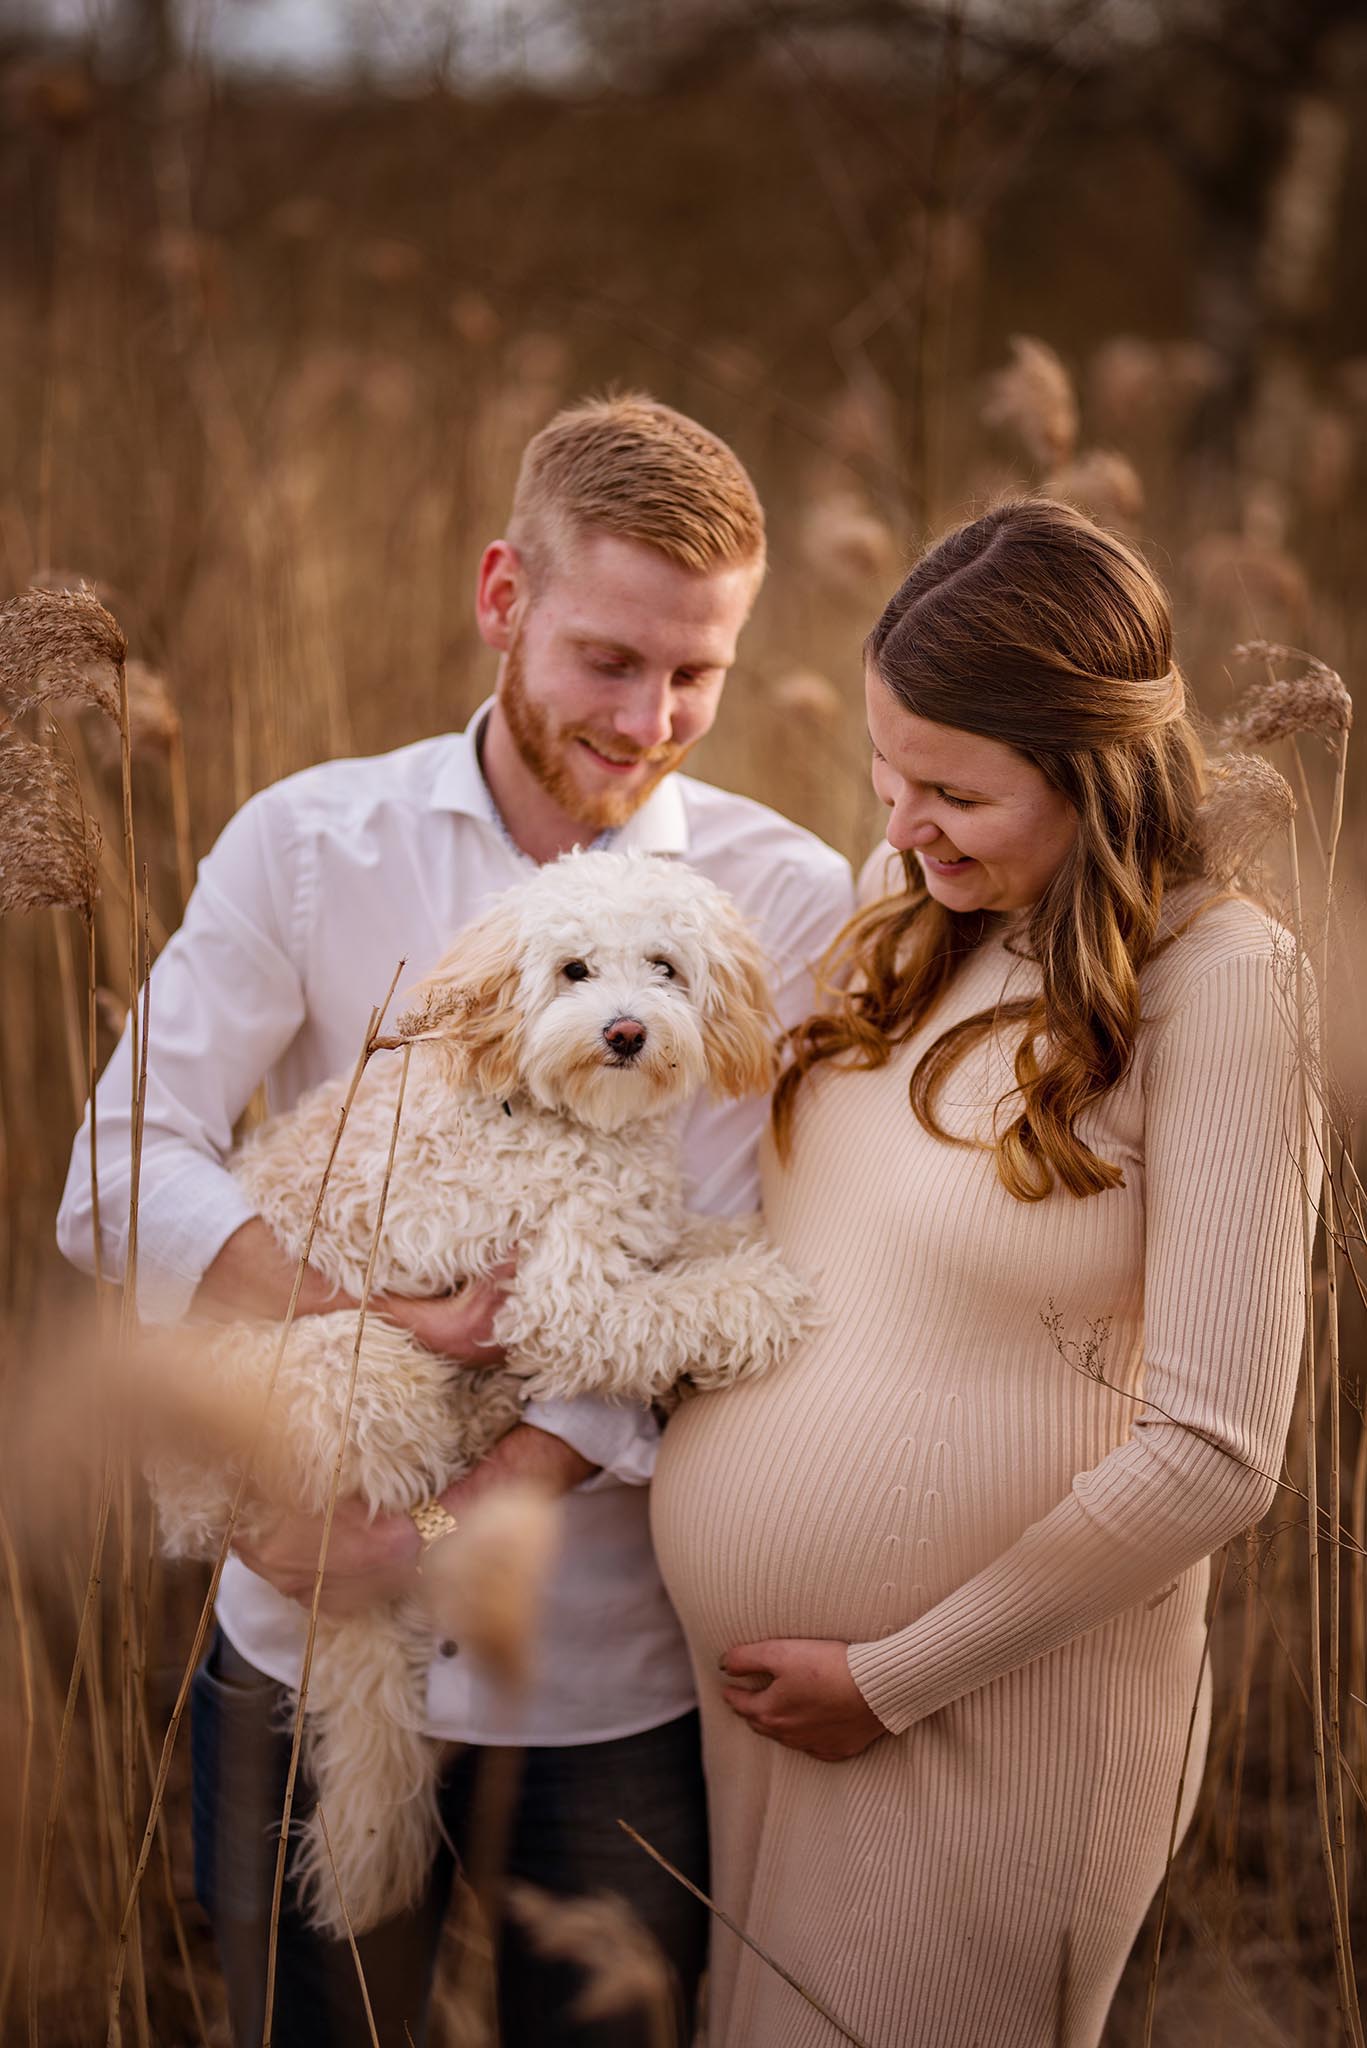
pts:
[467, 1008]
[500, 595]
[739, 1028]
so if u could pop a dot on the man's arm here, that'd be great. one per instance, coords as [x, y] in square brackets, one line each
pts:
[226, 998]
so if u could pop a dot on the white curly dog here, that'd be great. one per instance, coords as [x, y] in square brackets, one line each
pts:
[551, 1050]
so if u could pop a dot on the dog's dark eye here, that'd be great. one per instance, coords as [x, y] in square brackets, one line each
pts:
[575, 970]
[666, 967]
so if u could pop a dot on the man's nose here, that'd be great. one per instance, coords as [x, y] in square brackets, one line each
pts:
[644, 718]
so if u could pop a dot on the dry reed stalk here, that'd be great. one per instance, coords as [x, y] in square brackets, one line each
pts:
[50, 1825]
[735, 1928]
[1335, 1364]
[24, 1637]
[625, 1971]
[350, 1931]
[329, 1511]
[244, 1481]
[169, 1886]
[1347, 1989]
[1151, 1994]
[71, 1015]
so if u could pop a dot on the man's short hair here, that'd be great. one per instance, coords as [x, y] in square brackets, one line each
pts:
[635, 468]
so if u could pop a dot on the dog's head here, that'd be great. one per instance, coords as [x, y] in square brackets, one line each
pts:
[609, 986]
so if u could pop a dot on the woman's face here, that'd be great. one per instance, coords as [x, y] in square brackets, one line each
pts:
[988, 827]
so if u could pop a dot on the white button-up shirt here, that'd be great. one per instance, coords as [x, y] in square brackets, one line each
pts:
[314, 893]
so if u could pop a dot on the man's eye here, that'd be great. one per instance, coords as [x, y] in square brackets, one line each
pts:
[575, 970]
[666, 968]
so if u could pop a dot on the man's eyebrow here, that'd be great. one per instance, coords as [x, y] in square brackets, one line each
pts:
[603, 643]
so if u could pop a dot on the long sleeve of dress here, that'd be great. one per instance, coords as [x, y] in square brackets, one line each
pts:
[1223, 1320]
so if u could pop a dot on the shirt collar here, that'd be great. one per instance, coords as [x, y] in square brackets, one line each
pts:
[660, 826]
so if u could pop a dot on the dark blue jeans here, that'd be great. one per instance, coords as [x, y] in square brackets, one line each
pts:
[560, 1808]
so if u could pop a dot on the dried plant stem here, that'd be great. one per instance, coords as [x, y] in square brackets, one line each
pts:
[350, 1932]
[169, 1886]
[328, 1514]
[180, 815]
[1335, 1367]
[721, 1914]
[1151, 1994]
[92, 1588]
[1347, 1989]
[71, 1016]
[23, 1636]
[244, 1481]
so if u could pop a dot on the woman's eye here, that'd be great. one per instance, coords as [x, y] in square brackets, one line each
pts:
[960, 803]
[666, 968]
[575, 970]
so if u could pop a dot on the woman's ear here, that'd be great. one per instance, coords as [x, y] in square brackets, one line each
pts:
[739, 1028]
[467, 1008]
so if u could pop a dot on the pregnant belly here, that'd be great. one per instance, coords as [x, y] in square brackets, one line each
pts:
[772, 1520]
[826, 1500]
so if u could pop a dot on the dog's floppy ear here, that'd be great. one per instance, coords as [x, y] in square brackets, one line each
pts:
[467, 1008]
[739, 1028]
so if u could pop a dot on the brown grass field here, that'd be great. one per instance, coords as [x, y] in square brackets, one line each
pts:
[269, 361]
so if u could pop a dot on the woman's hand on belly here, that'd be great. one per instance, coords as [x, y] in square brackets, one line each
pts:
[799, 1691]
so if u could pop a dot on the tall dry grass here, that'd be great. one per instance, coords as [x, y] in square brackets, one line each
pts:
[270, 436]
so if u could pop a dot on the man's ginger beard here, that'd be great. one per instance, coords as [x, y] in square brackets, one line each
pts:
[543, 746]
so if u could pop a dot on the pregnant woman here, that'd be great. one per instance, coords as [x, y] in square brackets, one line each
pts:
[944, 1573]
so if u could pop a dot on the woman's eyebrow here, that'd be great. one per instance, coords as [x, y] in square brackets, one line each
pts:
[932, 782]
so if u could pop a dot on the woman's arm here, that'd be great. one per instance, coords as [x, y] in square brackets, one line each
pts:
[1223, 1319]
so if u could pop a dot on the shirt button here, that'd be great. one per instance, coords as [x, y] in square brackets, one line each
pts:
[448, 1648]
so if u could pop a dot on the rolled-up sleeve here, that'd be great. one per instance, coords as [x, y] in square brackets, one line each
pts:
[226, 997]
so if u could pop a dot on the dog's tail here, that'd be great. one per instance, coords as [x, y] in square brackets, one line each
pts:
[374, 1771]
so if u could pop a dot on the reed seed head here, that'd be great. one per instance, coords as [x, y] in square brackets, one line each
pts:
[58, 645]
[49, 844]
[1246, 803]
[484, 1584]
[1313, 701]
[1033, 399]
[623, 1966]
[1104, 483]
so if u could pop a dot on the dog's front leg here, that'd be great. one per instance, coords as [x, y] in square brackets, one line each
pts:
[582, 1321]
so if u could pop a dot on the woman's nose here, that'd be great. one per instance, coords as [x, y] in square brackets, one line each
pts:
[909, 828]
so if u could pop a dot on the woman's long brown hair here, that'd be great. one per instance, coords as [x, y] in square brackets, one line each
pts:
[1035, 627]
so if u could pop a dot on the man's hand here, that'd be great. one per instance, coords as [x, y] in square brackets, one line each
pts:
[374, 1558]
[801, 1694]
[456, 1326]
[369, 1557]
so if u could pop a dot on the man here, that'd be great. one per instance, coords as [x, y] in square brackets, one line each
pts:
[630, 564]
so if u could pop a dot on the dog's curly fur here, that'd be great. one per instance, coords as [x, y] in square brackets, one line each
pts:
[524, 1128]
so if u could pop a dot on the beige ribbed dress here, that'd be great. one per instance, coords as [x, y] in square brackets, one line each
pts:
[1015, 1550]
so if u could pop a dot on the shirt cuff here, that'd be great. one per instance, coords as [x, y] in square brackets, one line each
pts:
[620, 1439]
[184, 1221]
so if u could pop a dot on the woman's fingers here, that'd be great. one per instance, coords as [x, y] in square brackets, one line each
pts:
[757, 1660]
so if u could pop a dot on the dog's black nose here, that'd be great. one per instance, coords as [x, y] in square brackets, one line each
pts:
[625, 1037]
